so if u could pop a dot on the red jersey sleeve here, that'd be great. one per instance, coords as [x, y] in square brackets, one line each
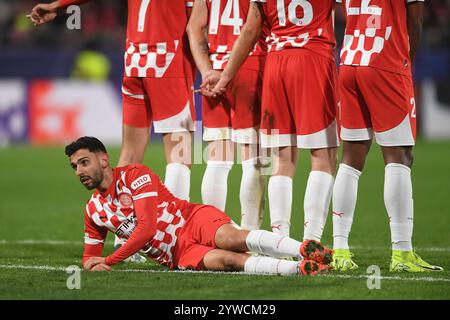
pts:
[94, 238]
[144, 191]
[66, 3]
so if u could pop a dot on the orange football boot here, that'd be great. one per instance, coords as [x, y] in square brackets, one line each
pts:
[314, 250]
[312, 268]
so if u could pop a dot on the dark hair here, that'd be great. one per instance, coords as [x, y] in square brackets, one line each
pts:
[90, 143]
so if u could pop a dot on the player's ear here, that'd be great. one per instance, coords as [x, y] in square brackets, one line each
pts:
[104, 160]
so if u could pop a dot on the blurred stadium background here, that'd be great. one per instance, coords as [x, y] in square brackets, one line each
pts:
[57, 84]
[46, 74]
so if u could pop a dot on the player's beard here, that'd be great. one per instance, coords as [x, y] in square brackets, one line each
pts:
[96, 180]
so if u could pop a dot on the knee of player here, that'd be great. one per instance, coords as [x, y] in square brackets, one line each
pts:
[233, 262]
[357, 163]
[409, 158]
[406, 158]
[232, 242]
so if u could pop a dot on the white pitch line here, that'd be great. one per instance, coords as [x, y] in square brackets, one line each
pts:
[46, 242]
[362, 276]
[80, 243]
[439, 249]
[352, 277]
[19, 266]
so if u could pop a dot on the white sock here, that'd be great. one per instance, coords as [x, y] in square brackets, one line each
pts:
[345, 193]
[399, 205]
[272, 244]
[251, 195]
[178, 180]
[268, 265]
[215, 183]
[328, 200]
[280, 204]
[317, 204]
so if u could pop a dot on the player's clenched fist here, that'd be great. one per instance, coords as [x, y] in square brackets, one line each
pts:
[44, 12]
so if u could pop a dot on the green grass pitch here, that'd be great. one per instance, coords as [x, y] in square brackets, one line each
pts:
[41, 233]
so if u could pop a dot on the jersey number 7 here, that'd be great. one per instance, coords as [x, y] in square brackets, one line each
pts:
[142, 14]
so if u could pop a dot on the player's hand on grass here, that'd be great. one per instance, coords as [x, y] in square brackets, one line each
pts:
[96, 264]
[101, 267]
[43, 13]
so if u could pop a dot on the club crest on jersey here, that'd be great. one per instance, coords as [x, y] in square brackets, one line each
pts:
[125, 200]
[139, 182]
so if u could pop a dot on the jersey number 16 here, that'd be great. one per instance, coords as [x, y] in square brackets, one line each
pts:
[292, 12]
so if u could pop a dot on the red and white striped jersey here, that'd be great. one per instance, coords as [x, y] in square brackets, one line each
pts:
[113, 211]
[225, 21]
[376, 35]
[155, 37]
[155, 34]
[305, 24]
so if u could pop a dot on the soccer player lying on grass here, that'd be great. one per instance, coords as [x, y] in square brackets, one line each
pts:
[132, 202]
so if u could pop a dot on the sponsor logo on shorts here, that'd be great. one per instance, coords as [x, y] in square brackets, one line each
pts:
[139, 182]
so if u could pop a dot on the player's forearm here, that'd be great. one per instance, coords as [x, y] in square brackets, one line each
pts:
[140, 237]
[145, 210]
[246, 41]
[415, 22]
[241, 49]
[198, 43]
[91, 250]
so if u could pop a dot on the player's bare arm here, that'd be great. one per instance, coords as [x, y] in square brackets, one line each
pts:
[198, 41]
[243, 46]
[414, 13]
[44, 12]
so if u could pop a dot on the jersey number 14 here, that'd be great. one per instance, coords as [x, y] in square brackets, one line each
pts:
[231, 9]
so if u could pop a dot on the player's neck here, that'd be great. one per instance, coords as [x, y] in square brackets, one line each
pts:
[108, 178]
